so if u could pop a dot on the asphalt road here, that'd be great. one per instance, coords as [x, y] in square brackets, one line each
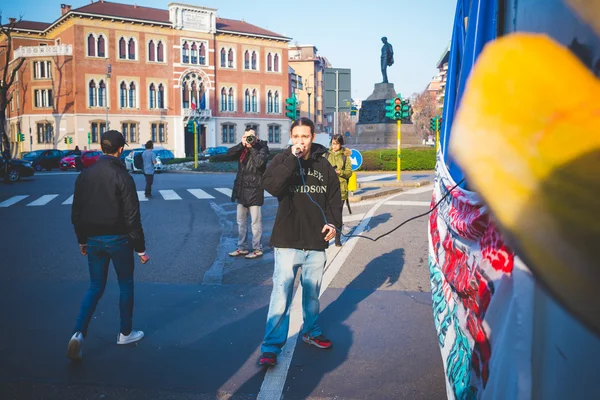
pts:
[203, 312]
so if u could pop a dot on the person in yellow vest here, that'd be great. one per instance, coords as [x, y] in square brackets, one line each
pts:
[339, 158]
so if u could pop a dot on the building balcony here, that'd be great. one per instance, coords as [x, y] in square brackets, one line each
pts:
[197, 114]
[43, 51]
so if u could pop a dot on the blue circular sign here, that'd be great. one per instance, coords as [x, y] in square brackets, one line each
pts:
[356, 159]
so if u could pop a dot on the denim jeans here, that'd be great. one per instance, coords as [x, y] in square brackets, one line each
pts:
[149, 182]
[287, 262]
[102, 249]
[242, 221]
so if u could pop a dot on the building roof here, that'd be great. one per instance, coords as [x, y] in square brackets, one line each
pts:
[149, 14]
[445, 57]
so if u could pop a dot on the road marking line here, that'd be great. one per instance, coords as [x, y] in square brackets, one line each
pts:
[200, 194]
[353, 217]
[374, 178]
[225, 191]
[42, 201]
[272, 386]
[13, 200]
[68, 201]
[408, 203]
[169, 195]
[142, 195]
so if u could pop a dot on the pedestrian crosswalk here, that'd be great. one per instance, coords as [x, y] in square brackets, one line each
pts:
[218, 194]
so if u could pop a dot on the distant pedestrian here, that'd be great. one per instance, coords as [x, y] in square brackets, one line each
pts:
[77, 159]
[106, 218]
[149, 159]
[252, 155]
[339, 157]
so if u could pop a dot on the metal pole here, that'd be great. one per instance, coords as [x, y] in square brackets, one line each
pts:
[335, 128]
[308, 105]
[437, 135]
[399, 158]
[195, 146]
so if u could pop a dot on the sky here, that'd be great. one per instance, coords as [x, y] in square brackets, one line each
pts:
[348, 33]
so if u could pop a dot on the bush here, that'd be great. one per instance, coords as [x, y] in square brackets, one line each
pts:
[385, 160]
[224, 158]
[180, 160]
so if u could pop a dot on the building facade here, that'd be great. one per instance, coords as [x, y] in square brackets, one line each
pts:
[147, 72]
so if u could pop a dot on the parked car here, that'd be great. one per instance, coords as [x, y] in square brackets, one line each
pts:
[162, 157]
[88, 158]
[18, 169]
[44, 159]
[212, 151]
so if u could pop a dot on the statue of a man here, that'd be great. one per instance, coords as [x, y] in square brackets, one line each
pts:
[387, 58]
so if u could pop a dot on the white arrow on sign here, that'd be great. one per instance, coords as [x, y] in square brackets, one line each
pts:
[354, 161]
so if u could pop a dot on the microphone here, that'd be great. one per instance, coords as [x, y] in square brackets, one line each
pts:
[298, 152]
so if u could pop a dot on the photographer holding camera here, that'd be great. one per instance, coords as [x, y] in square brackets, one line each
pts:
[252, 155]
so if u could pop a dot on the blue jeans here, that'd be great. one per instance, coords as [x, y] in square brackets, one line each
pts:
[287, 262]
[102, 249]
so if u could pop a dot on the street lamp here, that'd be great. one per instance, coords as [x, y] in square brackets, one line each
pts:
[108, 72]
[309, 91]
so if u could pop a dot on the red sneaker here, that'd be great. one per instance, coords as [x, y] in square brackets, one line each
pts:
[268, 359]
[319, 341]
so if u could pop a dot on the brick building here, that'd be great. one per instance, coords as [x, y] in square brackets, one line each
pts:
[147, 72]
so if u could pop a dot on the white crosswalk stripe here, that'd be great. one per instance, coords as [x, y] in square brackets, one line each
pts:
[141, 195]
[200, 194]
[68, 201]
[13, 200]
[169, 195]
[42, 201]
[225, 191]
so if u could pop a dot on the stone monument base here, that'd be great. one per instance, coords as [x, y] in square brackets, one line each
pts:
[374, 128]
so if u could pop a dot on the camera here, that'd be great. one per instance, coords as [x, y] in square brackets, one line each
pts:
[250, 139]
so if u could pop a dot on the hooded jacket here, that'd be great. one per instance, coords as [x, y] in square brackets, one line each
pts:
[106, 203]
[299, 221]
[336, 159]
[248, 186]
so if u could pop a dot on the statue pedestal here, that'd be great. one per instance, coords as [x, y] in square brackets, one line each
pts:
[374, 128]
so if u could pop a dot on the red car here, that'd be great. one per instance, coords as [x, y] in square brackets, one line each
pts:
[88, 157]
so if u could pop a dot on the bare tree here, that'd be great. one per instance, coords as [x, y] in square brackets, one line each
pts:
[424, 107]
[8, 73]
[58, 91]
[346, 123]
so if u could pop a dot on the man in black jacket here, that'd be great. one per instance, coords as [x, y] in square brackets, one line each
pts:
[106, 218]
[252, 156]
[310, 209]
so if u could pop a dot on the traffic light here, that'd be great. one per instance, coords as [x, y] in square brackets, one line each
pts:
[389, 108]
[66, 140]
[89, 138]
[20, 137]
[189, 128]
[353, 111]
[291, 107]
[435, 123]
[405, 109]
[70, 140]
[397, 108]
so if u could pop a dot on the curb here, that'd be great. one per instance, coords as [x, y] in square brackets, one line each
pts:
[393, 184]
[359, 198]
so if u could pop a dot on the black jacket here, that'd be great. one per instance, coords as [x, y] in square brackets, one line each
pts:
[299, 221]
[248, 186]
[106, 203]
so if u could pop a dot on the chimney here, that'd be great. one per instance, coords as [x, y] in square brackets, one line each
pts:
[12, 20]
[64, 8]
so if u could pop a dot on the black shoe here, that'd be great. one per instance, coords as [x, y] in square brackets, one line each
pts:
[268, 359]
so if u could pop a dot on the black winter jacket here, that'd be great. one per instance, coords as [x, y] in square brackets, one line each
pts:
[248, 186]
[106, 203]
[299, 221]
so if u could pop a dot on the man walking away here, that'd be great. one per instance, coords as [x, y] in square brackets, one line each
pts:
[300, 234]
[77, 159]
[149, 159]
[106, 218]
[252, 155]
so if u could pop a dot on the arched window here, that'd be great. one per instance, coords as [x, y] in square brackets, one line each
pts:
[269, 62]
[223, 58]
[161, 96]
[91, 40]
[276, 102]
[194, 94]
[123, 94]
[223, 99]
[132, 95]
[152, 96]
[247, 60]
[202, 53]
[131, 49]
[122, 49]
[92, 94]
[230, 58]
[194, 53]
[101, 46]
[160, 57]
[247, 101]
[254, 60]
[270, 102]
[254, 101]
[276, 63]
[102, 100]
[151, 51]
[185, 96]
[230, 100]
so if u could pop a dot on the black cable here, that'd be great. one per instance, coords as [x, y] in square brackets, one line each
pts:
[387, 233]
